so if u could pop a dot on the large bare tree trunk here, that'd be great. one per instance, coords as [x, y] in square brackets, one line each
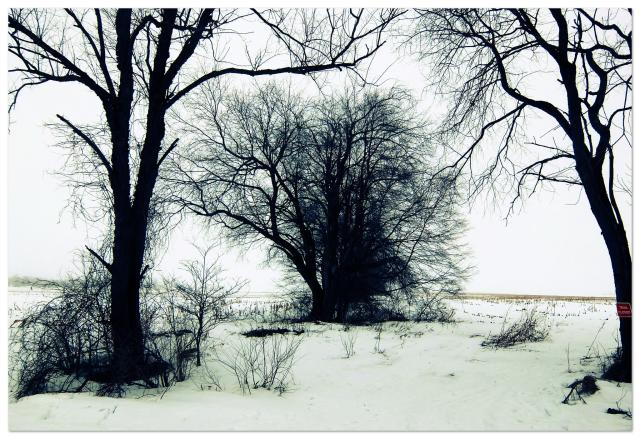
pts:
[618, 247]
[128, 345]
[330, 281]
[603, 206]
[317, 296]
[621, 263]
[132, 218]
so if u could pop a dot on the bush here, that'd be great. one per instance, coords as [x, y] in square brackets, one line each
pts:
[176, 348]
[432, 308]
[378, 339]
[64, 345]
[375, 310]
[201, 301]
[531, 327]
[400, 307]
[611, 366]
[263, 362]
[299, 309]
[211, 378]
[348, 340]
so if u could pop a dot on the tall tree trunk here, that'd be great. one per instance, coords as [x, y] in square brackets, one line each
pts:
[317, 296]
[132, 219]
[342, 307]
[618, 247]
[330, 254]
[329, 285]
[317, 293]
[128, 344]
[601, 201]
[617, 244]
[126, 330]
[130, 240]
[198, 357]
[621, 263]
[329, 305]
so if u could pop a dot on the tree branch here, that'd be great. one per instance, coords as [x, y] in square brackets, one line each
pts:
[168, 151]
[103, 159]
[107, 265]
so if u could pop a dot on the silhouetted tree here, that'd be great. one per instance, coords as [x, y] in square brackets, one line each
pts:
[336, 185]
[140, 64]
[381, 224]
[203, 297]
[572, 67]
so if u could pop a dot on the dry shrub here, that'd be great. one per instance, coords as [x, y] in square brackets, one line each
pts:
[262, 362]
[348, 341]
[433, 308]
[531, 327]
[63, 344]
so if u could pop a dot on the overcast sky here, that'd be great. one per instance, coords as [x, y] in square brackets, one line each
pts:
[551, 246]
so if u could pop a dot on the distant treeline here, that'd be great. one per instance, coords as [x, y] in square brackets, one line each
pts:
[26, 281]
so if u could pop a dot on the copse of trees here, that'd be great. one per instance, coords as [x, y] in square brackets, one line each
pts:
[341, 187]
[139, 64]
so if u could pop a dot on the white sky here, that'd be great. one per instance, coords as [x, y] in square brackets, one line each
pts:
[552, 246]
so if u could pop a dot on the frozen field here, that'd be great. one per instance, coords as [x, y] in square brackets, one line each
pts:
[420, 376]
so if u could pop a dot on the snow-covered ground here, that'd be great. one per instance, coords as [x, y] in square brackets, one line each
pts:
[429, 376]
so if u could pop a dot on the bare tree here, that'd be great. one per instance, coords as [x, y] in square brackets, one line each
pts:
[382, 224]
[572, 67]
[203, 298]
[336, 185]
[141, 63]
